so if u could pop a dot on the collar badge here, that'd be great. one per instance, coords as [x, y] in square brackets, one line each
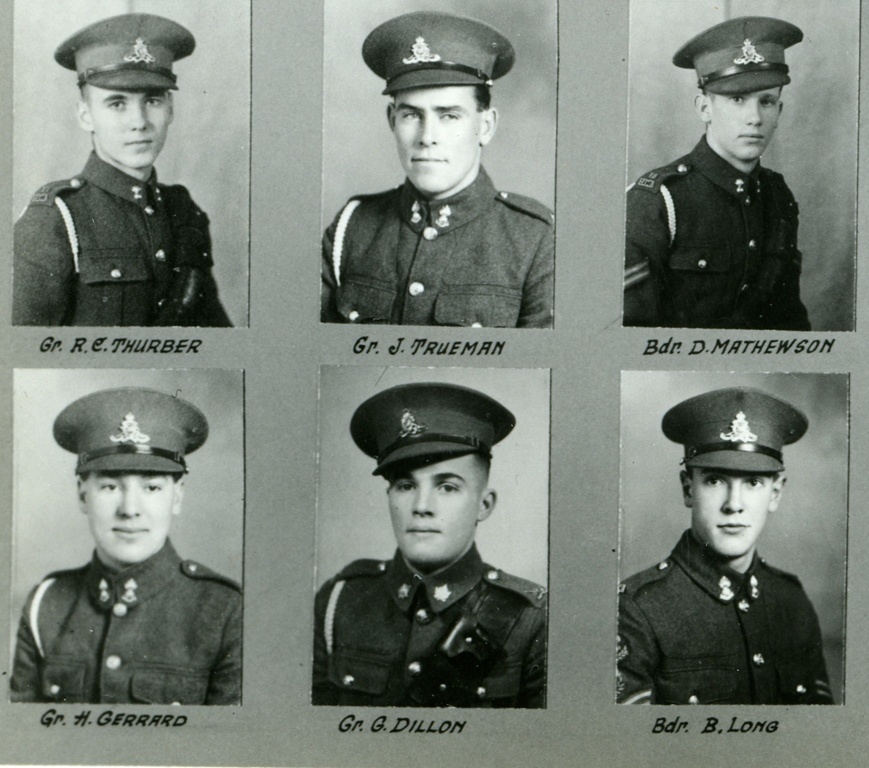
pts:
[442, 593]
[749, 54]
[726, 593]
[443, 219]
[403, 591]
[137, 192]
[739, 431]
[140, 53]
[755, 590]
[104, 591]
[410, 427]
[130, 432]
[421, 53]
[129, 595]
[740, 185]
[416, 217]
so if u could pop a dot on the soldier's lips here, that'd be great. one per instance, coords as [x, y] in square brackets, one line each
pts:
[422, 531]
[427, 160]
[732, 528]
[129, 533]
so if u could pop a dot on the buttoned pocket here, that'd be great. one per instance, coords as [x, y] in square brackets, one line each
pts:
[701, 259]
[63, 682]
[360, 671]
[504, 683]
[115, 266]
[487, 306]
[362, 300]
[168, 687]
[696, 686]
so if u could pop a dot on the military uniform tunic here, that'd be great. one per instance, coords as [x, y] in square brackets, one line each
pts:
[479, 258]
[103, 248]
[693, 631]
[711, 247]
[163, 631]
[469, 636]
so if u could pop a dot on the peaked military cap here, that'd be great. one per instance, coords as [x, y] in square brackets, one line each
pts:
[131, 430]
[426, 49]
[420, 421]
[738, 428]
[741, 55]
[132, 52]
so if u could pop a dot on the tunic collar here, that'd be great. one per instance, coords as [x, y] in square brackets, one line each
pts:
[107, 177]
[450, 213]
[722, 173]
[442, 589]
[128, 588]
[711, 573]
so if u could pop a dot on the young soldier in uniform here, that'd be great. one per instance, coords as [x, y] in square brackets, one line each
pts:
[137, 624]
[714, 623]
[435, 626]
[445, 248]
[111, 246]
[712, 237]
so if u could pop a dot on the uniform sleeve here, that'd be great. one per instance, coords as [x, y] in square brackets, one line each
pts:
[43, 268]
[647, 243]
[821, 693]
[533, 695]
[224, 687]
[637, 656]
[328, 283]
[24, 685]
[322, 691]
[537, 293]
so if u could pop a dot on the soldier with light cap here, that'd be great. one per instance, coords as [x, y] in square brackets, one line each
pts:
[715, 623]
[111, 246]
[136, 624]
[434, 626]
[445, 248]
[711, 238]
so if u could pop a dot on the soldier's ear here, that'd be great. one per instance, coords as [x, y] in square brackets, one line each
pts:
[390, 115]
[778, 486]
[84, 115]
[488, 126]
[487, 504]
[81, 495]
[702, 106]
[177, 496]
[685, 480]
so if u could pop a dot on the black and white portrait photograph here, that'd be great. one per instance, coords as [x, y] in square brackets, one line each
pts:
[733, 538]
[439, 163]
[131, 167]
[128, 529]
[742, 165]
[432, 533]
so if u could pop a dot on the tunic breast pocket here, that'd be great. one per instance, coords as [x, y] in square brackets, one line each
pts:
[356, 670]
[63, 682]
[696, 686]
[168, 687]
[482, 306]
[364, 300]
[115, 287]
[702, 281]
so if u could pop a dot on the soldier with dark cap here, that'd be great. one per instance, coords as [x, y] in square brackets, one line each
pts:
[112, 246]
[137, 624]
[714, 623]
[445, 248]
[712, 237]
[435, 626]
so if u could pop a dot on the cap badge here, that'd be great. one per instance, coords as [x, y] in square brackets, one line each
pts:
[739, 431]
[403, 591]
[443, 219]
[442, 593]
[421, 53]
[410, 427]
[749, 54]
[140, 53]
[726, 592]
[130, 432]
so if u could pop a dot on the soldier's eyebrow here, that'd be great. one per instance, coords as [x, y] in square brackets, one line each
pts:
[439, 110]
[443, 476]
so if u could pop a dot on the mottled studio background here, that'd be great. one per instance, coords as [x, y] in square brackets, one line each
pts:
[359, 154]
[815, 146]
[208, 147]
[805, 536]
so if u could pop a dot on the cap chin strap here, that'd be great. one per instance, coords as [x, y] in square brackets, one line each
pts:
[763, 66]
[693, 451]
[84, 76]
[127, 448]
[483, 77]
[473, 443]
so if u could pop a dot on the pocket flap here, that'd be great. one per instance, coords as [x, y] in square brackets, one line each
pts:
[357, 670]
[168, 687]
[486, 306]
[115, 266]
[365, 301]
[701, 259]
[63, 682]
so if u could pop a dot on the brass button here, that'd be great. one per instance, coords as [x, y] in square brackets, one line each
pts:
[422, 616]
[75, 184]
[682, 168]
[693, 700]
[752, 245]
[414, 668]
[493, 575]
[481, 691]
[429, 233]
[442, 687]
[663, 566]
[476, 325]
[119, 609]
[113, 662]
[743, 606]
[348, 679]
[800, 688]
[160, 255]
[747, 200]
[702, 263]
[55, 689]
[353, 316]
[758, 659]
[416, 289]
[149, 210]
[115, 273]
[381, 567]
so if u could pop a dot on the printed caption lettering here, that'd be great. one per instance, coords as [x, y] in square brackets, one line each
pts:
[715, 725]
[384, 724]
[51, 718]
[740, 347]
[364, 345]
[121, 345]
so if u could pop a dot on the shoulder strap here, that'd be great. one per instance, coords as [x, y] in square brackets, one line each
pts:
[340, 231]
[329, 622]
[70, 229]
[34, 613]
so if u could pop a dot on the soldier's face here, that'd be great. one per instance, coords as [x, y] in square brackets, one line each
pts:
[129, 514]
[440, 135]
[435, 510]
[729, 510]
[740, 126]
[128, 128]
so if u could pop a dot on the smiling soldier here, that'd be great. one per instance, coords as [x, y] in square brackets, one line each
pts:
[445, 248]
[137, 623]
[111, 246]
[435, 626]
[714, 623]
[712, 237]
